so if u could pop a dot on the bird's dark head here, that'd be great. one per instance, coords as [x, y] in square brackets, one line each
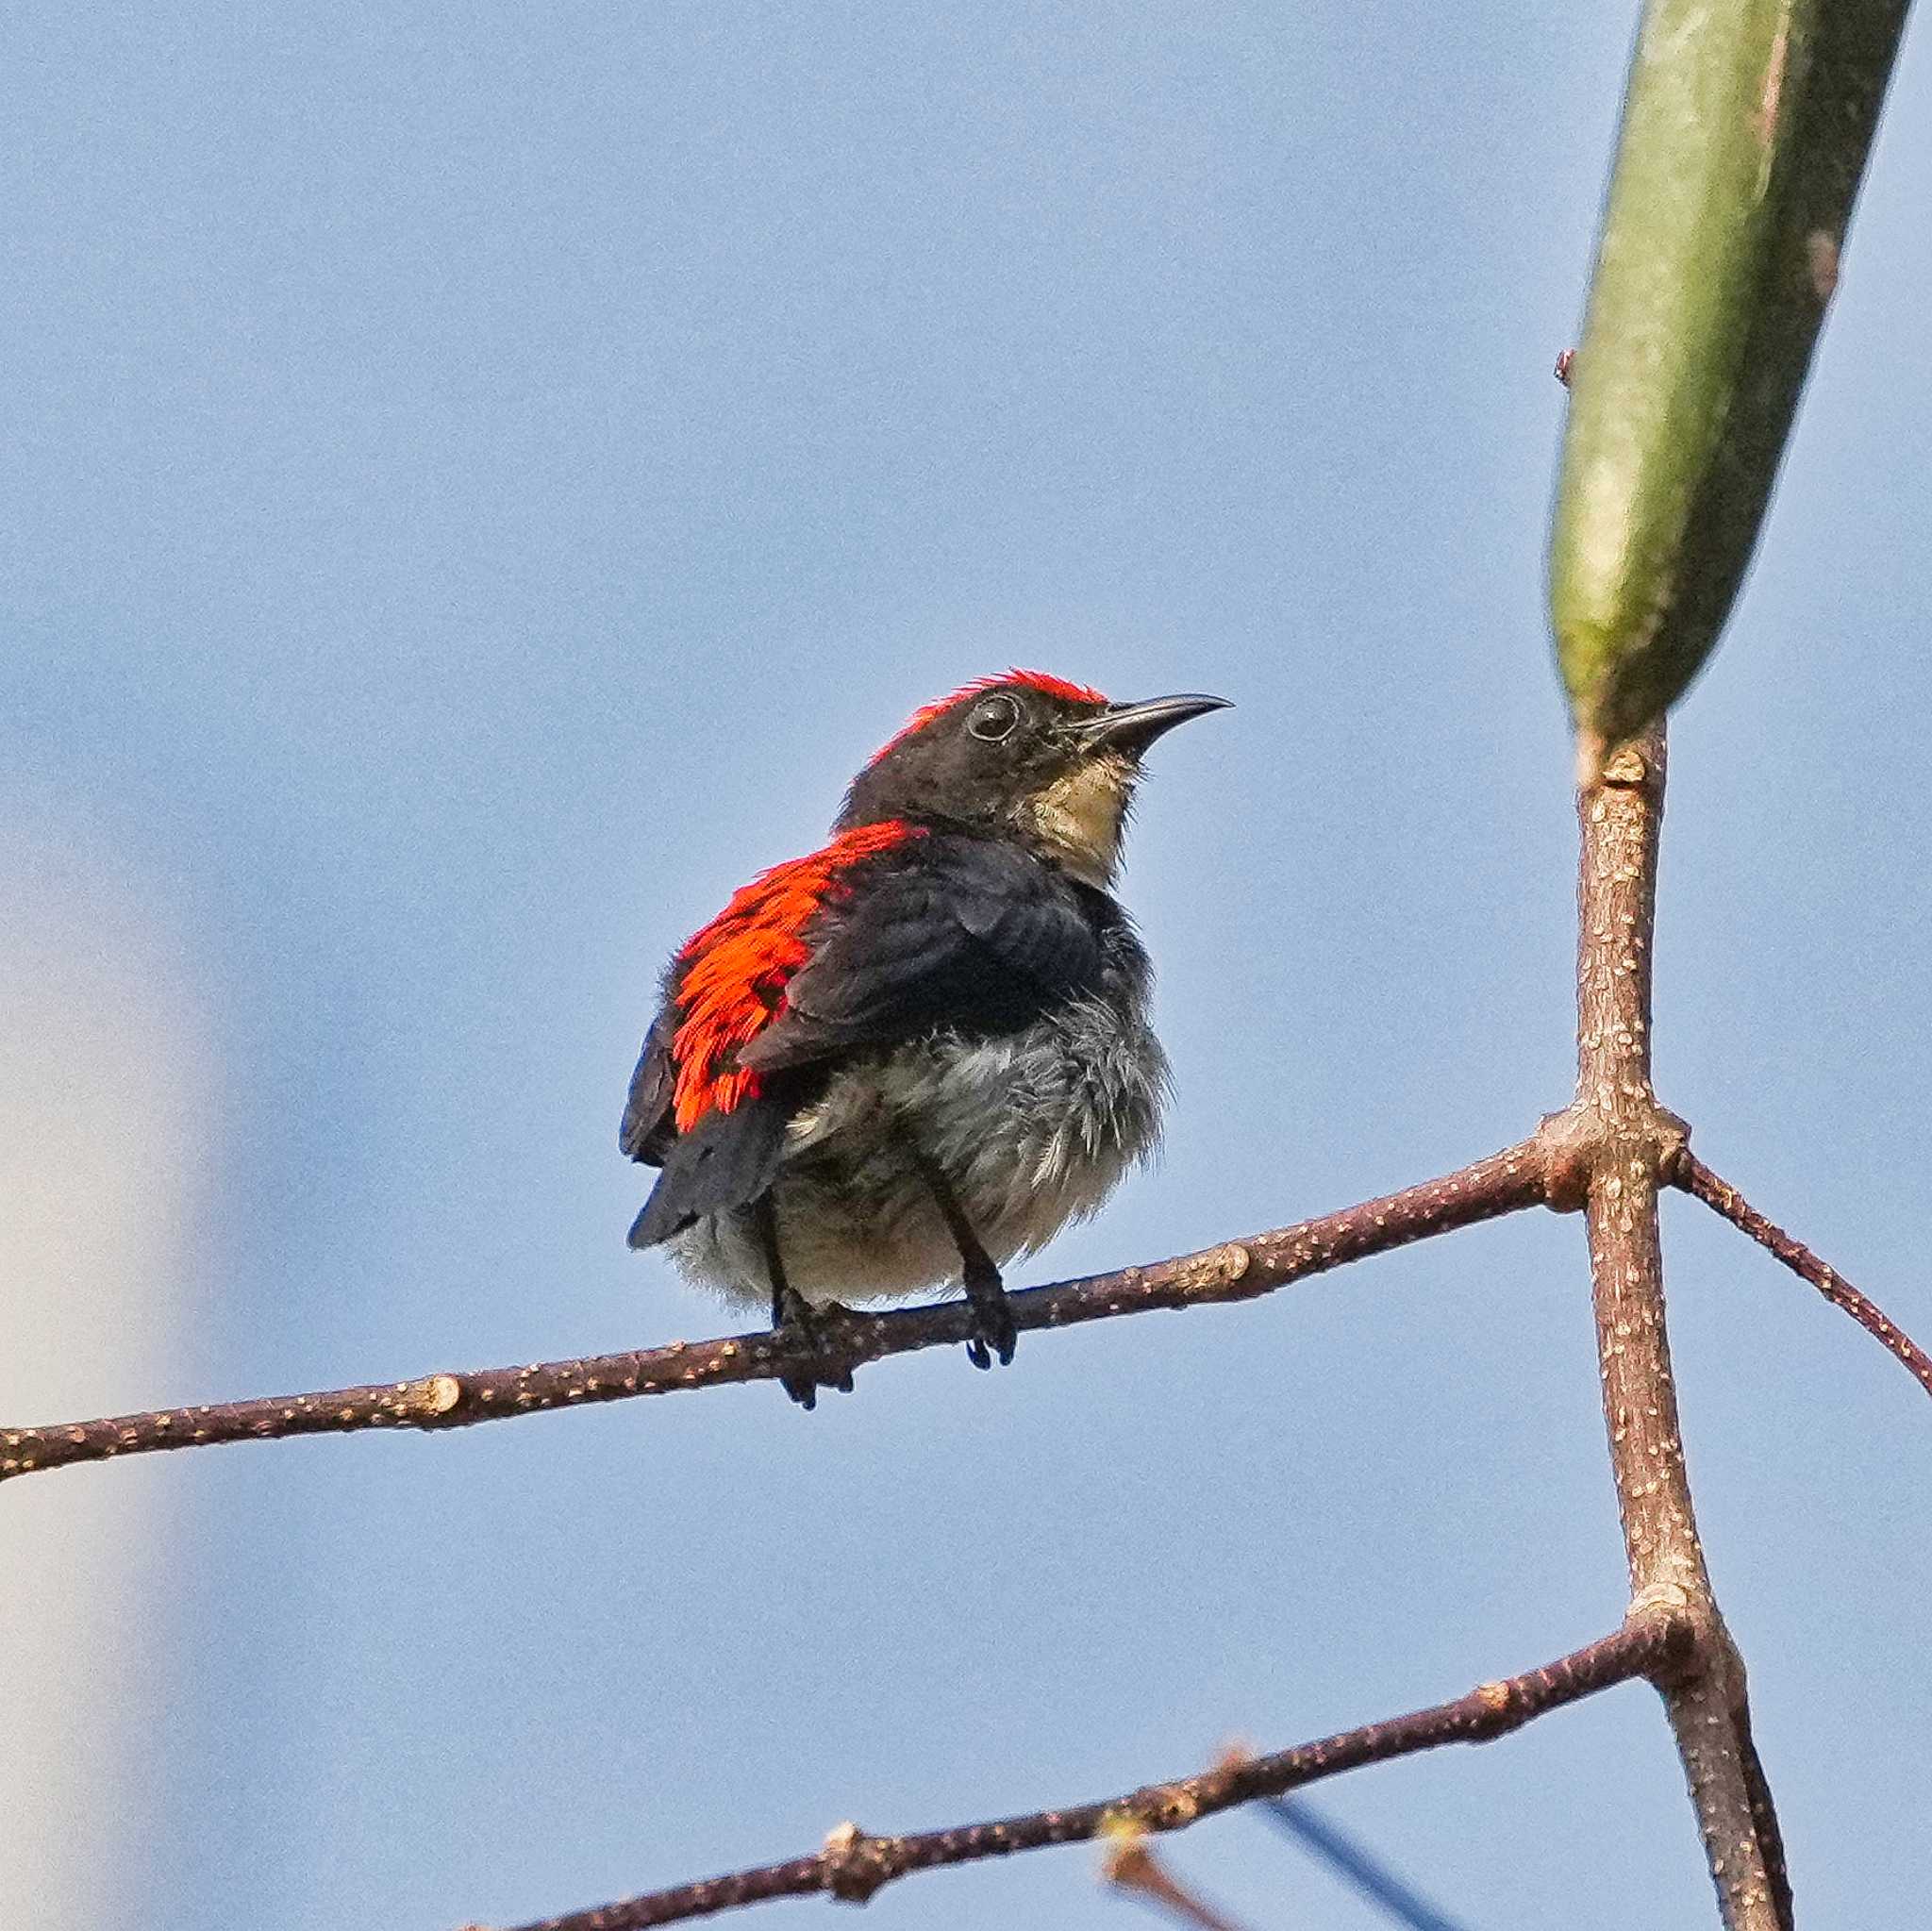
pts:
[1026, 756]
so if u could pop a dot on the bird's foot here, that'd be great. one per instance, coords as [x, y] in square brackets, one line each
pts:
[993, 1333]
[798, 1324]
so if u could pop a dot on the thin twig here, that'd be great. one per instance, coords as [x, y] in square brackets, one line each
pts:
[1635, 1144]
[1697, 1180]
[853, 1866]
[1356, 1865]
[1242, 1269]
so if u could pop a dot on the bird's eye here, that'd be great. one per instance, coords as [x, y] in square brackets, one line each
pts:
[993, 718]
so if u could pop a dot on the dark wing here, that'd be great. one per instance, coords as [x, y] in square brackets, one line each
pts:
[725, 1160]
[955, 931]
[646, 1132]
[950, 931]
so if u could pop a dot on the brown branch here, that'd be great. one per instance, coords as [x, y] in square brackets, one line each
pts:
[1608, 1153]
[1506, 1182]
[1635, 1144]
[1697, 1180]
[852, 1866]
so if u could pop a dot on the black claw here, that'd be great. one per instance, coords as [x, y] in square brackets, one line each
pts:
[795, 1320]
[993, 1333]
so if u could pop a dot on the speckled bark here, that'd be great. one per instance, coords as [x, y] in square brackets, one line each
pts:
[1242, 1270]
[854, 1865]
[1717, 1193]
[1606, 1154]
[1634, 1146]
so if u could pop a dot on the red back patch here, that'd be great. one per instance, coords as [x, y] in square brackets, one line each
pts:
[736, 968]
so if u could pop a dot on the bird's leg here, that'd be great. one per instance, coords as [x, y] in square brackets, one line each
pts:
[792, 1313]
[993, 1313]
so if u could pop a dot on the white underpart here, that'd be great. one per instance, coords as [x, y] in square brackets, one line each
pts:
[1032, 1131]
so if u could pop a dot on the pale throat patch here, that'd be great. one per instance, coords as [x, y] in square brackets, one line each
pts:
[1078, 818]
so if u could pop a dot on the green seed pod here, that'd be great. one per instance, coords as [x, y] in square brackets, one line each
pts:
[1746, 125]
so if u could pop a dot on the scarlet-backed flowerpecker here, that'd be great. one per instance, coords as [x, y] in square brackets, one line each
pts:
[924, 1048]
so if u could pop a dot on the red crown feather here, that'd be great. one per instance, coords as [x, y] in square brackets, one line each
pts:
[1043, 681]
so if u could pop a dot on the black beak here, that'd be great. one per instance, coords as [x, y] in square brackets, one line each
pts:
[1131, 727]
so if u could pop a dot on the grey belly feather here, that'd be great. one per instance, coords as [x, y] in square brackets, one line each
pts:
[1074, 1099]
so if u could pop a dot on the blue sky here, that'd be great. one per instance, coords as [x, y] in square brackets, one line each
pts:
[479, 479]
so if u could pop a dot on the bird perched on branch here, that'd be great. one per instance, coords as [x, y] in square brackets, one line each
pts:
[924, 1048]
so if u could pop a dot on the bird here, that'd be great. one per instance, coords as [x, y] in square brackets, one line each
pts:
[922, 1049]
